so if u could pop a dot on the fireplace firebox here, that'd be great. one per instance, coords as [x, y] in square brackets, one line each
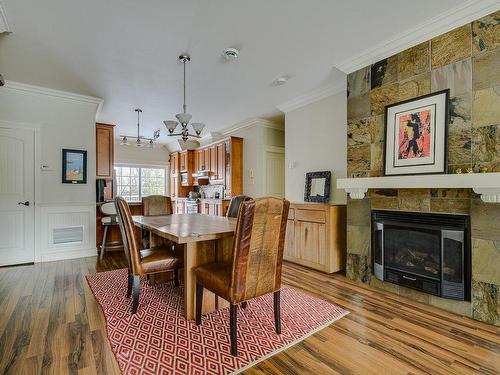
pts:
[427, 252]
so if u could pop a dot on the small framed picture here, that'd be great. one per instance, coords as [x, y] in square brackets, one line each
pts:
[416, 135]
[74, 166]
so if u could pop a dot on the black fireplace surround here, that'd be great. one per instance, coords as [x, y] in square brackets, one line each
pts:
[427, 252]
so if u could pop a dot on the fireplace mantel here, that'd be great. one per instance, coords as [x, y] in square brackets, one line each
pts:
[485, 184]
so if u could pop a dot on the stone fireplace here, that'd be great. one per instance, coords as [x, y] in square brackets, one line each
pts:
[465, 60]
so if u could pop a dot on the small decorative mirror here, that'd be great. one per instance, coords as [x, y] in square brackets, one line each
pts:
[317, 187]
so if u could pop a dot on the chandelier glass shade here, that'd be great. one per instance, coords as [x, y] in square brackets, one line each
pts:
[184, 118]
[140, 141]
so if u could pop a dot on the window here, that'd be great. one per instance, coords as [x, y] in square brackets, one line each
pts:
[134, 182]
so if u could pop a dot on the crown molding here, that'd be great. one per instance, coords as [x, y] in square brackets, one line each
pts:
[38, 90]
[312, 96]
[251, 123]
[4, 25]
[438, 25]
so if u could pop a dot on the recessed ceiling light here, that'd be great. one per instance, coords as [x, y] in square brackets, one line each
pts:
[230, 54]
[280, 81]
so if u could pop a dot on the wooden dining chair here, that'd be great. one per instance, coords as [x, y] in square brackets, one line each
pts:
[234, 205]
[255, 267]
[146, 261]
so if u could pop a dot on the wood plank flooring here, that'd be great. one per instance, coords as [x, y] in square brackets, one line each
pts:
[50, 323]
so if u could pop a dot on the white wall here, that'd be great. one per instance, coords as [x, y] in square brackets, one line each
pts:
[256, 137]
[315, 141]
[141, 155]
[65, 121]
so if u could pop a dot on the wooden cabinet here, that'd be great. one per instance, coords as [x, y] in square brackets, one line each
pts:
[316, 235]
[224, 160]
[174, 163]
[105, 148]
[214, 207]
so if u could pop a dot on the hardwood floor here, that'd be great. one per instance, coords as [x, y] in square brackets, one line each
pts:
[51, 323]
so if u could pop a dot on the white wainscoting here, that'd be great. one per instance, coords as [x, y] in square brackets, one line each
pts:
[53, 216]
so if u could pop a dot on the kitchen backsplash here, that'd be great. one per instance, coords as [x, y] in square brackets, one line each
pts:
[209, 191]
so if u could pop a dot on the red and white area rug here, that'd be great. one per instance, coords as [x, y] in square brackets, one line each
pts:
[159, 340]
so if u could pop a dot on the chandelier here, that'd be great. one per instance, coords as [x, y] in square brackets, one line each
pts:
[140, 141]
[184, 117]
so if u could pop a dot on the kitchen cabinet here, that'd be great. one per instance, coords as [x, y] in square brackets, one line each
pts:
[105, 148]
[174, 163]
[224, 160]
[315, 236]
[213, 163]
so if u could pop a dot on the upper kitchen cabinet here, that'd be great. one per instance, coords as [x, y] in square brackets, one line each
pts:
[105, 149]
[174, 163]
[186, 167]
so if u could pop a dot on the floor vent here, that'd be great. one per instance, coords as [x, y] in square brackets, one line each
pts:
[66, 235]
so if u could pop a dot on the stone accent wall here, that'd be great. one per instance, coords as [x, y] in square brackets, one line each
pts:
[467, 61]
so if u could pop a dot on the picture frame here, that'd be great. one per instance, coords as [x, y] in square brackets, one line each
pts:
[416, 134]
[317, 188]
[74, 166]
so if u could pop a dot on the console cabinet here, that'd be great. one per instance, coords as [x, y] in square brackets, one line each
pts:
[315, 236]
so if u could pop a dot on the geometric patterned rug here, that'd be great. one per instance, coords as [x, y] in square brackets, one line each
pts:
[159, 340]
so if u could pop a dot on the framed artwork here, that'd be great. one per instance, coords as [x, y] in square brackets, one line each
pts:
[416, 135]
[74, 166]
[317, 187]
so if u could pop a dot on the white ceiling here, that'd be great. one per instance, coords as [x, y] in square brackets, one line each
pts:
[125, 51]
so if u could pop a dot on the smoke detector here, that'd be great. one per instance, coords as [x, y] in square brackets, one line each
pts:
[282, 80]
[230, 54]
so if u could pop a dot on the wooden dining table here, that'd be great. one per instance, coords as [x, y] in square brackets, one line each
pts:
[204, 239]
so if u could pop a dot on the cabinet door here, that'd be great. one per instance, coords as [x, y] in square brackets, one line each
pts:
[310, 242]
[221, 161]
[174, 163]
[196, 161]
[290, 240]
[104, 151]
[206, 158]
[213, 162]
[183, 161]
[174, 188]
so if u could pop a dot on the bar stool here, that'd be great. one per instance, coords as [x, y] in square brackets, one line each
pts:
[108, 209]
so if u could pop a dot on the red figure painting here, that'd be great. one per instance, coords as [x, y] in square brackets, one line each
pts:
[415, 135]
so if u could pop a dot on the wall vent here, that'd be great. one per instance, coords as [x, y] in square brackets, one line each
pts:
[67, 235]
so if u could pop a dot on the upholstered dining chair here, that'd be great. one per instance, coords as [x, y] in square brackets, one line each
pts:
[234, 205]
[156, 205]
[146, 261]
[108, 211]
[255, 267]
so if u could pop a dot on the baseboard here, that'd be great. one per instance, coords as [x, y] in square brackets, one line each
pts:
[63, 255]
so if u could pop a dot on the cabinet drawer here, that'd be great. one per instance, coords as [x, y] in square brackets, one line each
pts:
[291, 214]
[315, 216]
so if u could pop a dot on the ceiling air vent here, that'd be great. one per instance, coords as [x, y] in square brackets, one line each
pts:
[67, 235]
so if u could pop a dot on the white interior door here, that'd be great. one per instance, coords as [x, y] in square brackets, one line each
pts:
[274, 184]
[17, 191]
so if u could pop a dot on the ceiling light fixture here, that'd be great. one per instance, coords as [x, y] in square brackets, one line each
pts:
[139, 140]
[184, 117]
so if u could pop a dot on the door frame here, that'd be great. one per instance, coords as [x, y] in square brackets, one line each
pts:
[276, 149]
[35, 129]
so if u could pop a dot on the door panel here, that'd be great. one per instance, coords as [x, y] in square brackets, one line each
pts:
[275, 174]
[17, 221]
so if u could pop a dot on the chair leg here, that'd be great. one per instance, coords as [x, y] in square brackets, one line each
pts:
[176, 278]
[137, 287]
[233, 317]
[277, 314]
[104, 239]
[130, 282]
[244, 305]
[199, 302]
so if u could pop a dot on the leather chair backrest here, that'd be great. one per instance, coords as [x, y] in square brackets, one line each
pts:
[234, 205]
[258, 248]
[132, 247]
[156, 205]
